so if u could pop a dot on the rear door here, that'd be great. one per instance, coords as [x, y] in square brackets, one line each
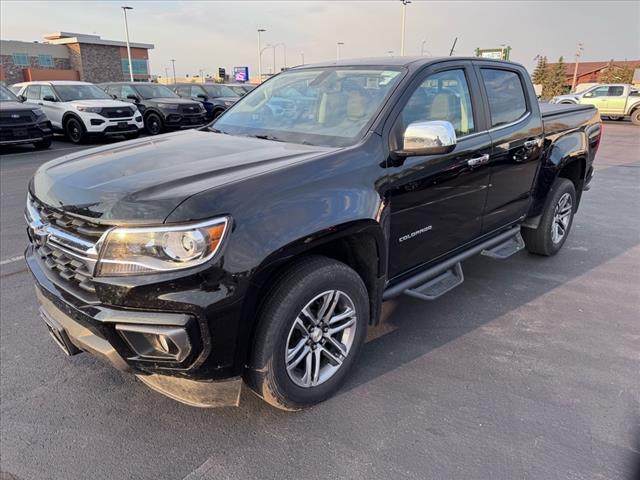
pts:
[436, 201]
[517, 137]
[616, 100]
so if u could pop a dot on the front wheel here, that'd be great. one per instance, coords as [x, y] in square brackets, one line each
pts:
[75, 130]
[556, 220]
[310, 331]
[153, 124]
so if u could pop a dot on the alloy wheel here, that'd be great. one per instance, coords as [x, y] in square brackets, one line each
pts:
[320, 338]
[561, 218]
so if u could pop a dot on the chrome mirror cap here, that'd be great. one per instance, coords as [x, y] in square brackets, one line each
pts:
[428, 138]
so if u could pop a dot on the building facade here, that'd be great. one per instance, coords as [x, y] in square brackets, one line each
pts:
[73, 56]
[589, 72]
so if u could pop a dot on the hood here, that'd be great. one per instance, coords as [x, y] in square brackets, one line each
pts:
[100, 103]
[145, 180]
[172, 100]
[17, 106]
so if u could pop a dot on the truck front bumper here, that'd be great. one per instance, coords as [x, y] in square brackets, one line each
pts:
[102, 332]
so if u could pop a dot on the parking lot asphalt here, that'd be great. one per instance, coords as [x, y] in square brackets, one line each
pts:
[529, 370]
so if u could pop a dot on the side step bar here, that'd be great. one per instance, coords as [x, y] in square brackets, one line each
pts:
[506, 249]
[441, 278]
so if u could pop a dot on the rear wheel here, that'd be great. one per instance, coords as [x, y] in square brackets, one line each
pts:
[635, 116]
[556, 220]
[43, 144]
[75, 130]
[153, 124]
[309, 334]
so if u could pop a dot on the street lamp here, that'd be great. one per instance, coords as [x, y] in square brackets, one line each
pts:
[126, 30]
[338, 45]
[404, 16]
[267, 47]
[173, 62]
[302, 57]
[284, 47]
[260, 30]
[422, 48]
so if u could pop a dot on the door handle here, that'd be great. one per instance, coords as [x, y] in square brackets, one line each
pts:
[40, 103]
[477, 161]
[531, 144]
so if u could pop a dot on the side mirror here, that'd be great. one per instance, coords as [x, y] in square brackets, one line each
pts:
[203, 96]
[428, 138]
[588, 95]
[133, 97]
[22, 98]
[49, 98]
[114, 96]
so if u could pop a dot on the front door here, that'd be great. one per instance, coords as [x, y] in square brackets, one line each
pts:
[53, 109]
[598, 98]
[437, 201]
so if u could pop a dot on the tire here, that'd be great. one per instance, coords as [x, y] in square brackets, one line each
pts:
[43, 144]
[216, 113]
[307, 285]
[75, 131]
[557, 217]
[131, 136]
[153, 124]
[635, 117]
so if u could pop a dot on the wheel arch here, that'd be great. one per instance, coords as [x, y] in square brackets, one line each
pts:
[68, 115]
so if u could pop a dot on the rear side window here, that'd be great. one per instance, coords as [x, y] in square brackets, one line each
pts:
[616, 91]
[506, 97]
[33, 92]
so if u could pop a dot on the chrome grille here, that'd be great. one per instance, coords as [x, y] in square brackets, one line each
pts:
[117, 112]
[66, 246]
[16, 117]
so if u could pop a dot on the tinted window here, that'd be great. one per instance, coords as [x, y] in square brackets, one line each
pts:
[80, 91]
[126, 90]
[195, 91]
[442, 96]
[183, 91]
[155, 91]
[616, 91]
[33, 92]
[219, 91]
[47, 91]
[505, 94]
[6, 95]
[601, 92]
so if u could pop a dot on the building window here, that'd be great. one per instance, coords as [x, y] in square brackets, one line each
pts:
[139, 66]
[21, 59]
[45, 61]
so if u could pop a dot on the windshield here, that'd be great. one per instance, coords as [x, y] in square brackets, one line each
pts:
[69, 93]
[215, 91]
[155, 91]
[323, 106]
[6, 95]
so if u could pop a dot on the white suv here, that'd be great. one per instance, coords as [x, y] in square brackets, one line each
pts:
[80, 108]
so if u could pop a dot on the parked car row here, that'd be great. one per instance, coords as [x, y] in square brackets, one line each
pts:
[32, 111]
[616, 100]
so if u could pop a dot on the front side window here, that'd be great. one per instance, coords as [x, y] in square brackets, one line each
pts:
[215, 91]
[45, 61]
[601, 92]
[442, 96]
[6, 95]
[21, 59]
[69, 93]
[195, 91]
[507, 101]
[126, 90]
[155, 91]
[47, 91]
[33, 92]
[329, 106]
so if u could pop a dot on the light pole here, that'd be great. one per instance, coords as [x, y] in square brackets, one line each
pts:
[267, 47]
[404, 17]
[260, 30]
[422, 48]
[126, 30]
[302, 57]
[575, 69]
[173, 62]
[284, 47]
[338, 45]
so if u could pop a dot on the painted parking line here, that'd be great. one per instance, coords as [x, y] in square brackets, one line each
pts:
[35, 152]
[11, 260]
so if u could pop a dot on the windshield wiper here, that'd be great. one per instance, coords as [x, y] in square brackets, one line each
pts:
[268, 137]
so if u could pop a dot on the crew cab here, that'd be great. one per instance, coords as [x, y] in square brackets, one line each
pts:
[21, 123]
[259, 249]
[81, 109]
[215, 98]
[615, 101]
[161, 109]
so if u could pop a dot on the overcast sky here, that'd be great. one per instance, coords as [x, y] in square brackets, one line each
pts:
[211, 34]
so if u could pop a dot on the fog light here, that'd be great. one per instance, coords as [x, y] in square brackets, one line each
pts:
[96, 121]
[156, 343]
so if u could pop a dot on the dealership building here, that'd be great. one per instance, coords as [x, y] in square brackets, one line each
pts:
[72, 56]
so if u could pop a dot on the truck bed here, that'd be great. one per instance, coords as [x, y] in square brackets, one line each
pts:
[564, 117]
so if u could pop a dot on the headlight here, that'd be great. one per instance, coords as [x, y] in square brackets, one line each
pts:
[168, 106]
[140, 250]
[90, 109]
[37, 112]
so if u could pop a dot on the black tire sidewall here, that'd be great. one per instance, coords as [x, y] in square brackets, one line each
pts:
[560, 187]
[43, 144]
[278, 316]
[147, 122]
[68, 125]
[635, 117]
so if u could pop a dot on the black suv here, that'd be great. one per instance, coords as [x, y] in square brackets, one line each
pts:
[215, 98]
[20, 123]
[161, 108]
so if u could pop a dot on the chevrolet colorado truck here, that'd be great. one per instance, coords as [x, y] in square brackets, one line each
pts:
[258, 249]
[615, 101]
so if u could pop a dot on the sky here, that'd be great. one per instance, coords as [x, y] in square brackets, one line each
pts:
[211, 34]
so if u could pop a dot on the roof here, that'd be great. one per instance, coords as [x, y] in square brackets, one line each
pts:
[53, 82]
[584, 68]
[63, 38]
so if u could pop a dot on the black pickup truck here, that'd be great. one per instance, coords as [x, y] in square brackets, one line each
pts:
[260, 248]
